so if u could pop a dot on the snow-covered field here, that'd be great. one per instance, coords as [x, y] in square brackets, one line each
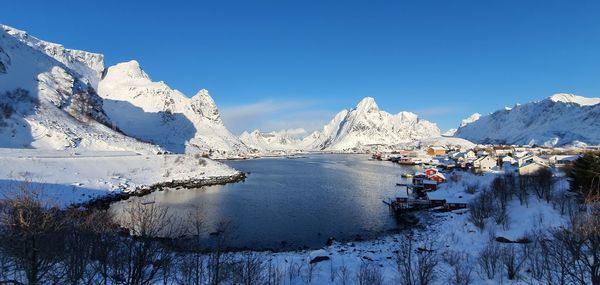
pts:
[67, 177]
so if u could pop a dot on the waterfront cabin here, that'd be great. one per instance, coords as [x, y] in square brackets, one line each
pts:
[438, 177]
[436, 151]
[430, 172]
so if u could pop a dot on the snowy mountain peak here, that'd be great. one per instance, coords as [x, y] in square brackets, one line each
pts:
[562, 119]
[86, 65]
[470, 119]
[125, 71]
[204, 105]
[367, 105]
[572, 98]
[365, 126]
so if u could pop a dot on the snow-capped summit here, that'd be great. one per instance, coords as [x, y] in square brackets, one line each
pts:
[366, 125]
[48, 98]
[276, 141]
[125, 71]
[152, 111]
[205, 106]
[571, 98]
[86, 65]
[367, 105]
[470, 119]
[562, 119]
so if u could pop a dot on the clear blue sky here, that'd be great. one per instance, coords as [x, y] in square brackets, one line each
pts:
[283, 64]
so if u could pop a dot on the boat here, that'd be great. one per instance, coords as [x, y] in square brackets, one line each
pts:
[406, 175]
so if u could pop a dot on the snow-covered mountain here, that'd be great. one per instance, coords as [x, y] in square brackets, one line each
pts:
[153, 112]
[469, 120]
[561, 119]
[48, 98]
[366, 125]
[276, 141]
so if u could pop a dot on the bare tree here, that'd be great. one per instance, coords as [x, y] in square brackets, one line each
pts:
[31, 234]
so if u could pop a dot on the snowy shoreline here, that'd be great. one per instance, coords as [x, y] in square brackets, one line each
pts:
[67, 178]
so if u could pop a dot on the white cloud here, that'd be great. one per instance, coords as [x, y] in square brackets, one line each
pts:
[274, 116]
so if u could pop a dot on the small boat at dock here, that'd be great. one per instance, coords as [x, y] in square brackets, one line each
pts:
[406, 175]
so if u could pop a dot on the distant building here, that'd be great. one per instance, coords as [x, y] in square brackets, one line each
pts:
[436, 150]
[508, 160]
[562, 160]
[531, 167]
[484, 163]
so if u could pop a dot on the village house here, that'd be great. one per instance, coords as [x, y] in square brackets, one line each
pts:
[484, 163]
[436, 151]
[531, 167]
[529, 158]
[465, 155]
[562, 160]
[508, 160]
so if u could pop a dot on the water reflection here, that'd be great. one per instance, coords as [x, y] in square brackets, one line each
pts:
[295, 202]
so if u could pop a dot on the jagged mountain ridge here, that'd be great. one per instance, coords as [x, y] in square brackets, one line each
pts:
[366, 125]
[559, 120]
[48, 100]
[275, 141]
[153, 112]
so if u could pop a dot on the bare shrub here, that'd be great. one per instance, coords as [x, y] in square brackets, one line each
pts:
[489, 260]
[369, 274]
[416, 266]
[512, 261]
[461, 268]
[481, 208]
[250, 270]
[31, 235]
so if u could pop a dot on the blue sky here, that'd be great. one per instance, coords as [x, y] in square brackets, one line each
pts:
[289, 64]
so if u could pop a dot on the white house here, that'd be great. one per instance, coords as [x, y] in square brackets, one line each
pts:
[529, 158]
[509, 160]
[484, 163]
[562, 160]
[531, 167]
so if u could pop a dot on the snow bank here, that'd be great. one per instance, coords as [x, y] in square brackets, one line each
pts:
[65, 178]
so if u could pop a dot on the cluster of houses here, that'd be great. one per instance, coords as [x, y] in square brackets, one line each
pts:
[524, 160]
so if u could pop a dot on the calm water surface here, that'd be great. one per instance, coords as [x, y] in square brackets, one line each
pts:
[295, 202]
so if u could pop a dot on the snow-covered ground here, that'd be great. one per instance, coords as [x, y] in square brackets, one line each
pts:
[67, 177]
[446, 231]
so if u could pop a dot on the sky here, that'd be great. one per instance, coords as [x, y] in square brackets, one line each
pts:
[294, 64]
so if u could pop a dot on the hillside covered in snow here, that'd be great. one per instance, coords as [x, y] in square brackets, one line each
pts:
[272, 142]
[559, 120]
[152, 111]
[58, 98]
[365, 125]
[48, 98]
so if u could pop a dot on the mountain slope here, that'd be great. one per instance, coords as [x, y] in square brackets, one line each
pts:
[276, 141]
[48, 100]
[562, 119]
[152, 111]
[367, 125]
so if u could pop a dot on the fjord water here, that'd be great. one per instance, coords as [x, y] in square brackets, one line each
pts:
[291, 203]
